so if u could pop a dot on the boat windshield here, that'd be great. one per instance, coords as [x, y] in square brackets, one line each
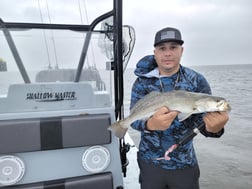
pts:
[45, 52]
[53, 55]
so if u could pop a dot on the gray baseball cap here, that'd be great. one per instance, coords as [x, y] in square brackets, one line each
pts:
[168, 35]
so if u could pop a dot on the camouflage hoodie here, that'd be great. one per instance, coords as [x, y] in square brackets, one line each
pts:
[154, 144]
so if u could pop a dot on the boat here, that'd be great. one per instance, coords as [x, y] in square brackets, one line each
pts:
[53, 121]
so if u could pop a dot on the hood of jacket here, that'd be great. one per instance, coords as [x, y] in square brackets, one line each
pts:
[147, 67]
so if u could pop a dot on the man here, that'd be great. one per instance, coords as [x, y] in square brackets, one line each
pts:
[163, 72]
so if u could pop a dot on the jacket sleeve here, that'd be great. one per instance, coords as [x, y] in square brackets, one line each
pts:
[204, 87]
[138, 91]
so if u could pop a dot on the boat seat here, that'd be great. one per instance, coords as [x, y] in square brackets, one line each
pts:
[36, 134]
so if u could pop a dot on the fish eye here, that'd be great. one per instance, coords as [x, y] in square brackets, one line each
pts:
[220, 103]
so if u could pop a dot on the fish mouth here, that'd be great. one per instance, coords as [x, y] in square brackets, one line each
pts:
[226, 107]
[223, 105]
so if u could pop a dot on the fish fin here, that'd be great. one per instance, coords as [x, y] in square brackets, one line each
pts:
[118, 129]
[183, 116]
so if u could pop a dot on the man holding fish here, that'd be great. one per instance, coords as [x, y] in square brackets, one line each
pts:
[181, 102]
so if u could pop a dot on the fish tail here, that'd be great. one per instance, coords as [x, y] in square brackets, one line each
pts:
[118, 129]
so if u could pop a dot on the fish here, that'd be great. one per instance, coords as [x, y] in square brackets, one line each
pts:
[184, 102]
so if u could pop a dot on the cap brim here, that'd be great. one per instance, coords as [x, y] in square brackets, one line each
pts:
[180, 42]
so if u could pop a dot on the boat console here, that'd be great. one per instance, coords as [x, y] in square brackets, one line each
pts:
[50, 132]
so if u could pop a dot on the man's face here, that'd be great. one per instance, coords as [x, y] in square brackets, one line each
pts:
[167, 56]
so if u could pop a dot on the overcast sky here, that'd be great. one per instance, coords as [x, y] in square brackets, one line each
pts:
[214, 31]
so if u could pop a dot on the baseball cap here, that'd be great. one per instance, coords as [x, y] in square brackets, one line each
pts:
[168, 35]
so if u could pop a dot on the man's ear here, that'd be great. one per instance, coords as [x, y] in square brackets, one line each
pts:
[182, 50]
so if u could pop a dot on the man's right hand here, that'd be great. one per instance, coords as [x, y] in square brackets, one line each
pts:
[161, 120]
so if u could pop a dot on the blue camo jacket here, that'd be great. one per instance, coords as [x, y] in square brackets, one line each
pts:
[154, 144]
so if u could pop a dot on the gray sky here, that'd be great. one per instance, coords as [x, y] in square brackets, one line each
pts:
[214, 31]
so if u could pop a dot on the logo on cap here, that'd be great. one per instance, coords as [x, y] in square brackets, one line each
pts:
[167, 35]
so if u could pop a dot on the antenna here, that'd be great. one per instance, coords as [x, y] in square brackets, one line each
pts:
[82, 22]
[46, 43]
[53, 41]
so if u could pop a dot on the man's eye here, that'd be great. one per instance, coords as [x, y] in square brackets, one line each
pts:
[173, 46]
[162, 48]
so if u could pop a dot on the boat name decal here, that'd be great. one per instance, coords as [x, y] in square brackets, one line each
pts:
[51, 96]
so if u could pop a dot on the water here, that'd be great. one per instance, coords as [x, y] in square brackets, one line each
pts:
[225, 162]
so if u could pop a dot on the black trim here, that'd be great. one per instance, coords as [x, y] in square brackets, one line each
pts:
[96, 181]
[56, 184]
[50, 133]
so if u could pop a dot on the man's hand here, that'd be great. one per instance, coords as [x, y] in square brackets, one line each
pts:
[161, 120]
[215, 121]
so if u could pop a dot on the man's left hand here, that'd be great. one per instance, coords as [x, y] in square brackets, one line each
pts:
[215, 121]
